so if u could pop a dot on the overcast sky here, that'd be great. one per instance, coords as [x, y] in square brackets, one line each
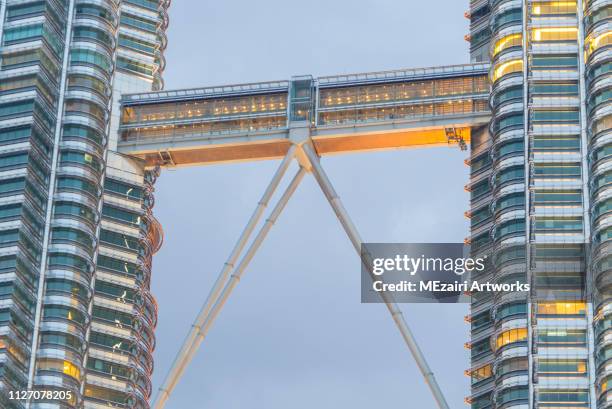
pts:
[294, 333]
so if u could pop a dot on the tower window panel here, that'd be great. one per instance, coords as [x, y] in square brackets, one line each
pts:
[554, 88]
[555, 34]
[554, 8]
[556, 116]
[482, 373]
[510, 336]
[553, 224]
[568, 197]
[563, 337]
[506, 68]
[556, 143]
[554, 61]
[563, 396]
[557, 170]
[509, 41]
[562, 308]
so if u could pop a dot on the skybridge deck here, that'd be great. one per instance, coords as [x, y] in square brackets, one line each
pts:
[345, 113]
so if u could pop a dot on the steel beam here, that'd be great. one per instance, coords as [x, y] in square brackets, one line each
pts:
[351, 231]
[191, 343]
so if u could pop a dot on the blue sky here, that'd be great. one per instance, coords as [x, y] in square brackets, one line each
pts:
[294, 333]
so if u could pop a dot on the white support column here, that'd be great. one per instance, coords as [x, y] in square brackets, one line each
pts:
[353, 234]
[194, 338]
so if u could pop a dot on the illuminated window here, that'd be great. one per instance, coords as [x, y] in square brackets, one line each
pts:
[67, 368]
[562, 308]
[506, 68]
[481, 373]
[554, 8]
[554, 34]
[511, 336]
[512, 40]
[601, 40]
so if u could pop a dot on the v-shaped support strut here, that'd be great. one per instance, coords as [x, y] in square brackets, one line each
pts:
[231, 273]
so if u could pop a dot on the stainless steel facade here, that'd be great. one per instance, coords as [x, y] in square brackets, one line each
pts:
[539, 189]
[75, 218]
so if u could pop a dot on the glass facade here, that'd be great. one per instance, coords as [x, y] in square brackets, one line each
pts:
[538, 204]
[76, 230]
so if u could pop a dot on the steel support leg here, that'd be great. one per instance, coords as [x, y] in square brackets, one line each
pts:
[207, 316]
[190, 345]
[353, 234]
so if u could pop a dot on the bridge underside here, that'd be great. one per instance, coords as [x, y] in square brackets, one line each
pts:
[363, 112]
[247, 148]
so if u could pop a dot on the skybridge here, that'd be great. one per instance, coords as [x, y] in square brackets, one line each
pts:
[345, 113]
[301, 119]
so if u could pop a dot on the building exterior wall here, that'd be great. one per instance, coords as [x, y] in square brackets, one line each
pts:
[538, 207]
[76, 230]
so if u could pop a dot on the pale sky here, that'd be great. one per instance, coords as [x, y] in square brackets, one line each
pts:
[294, 333]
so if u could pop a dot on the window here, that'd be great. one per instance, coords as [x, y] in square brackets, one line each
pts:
[567, 197]
[552, 88]
[514, 120]
[512, 365]
[551, 337]
[554, 8]
[73, 183]
[511, 200]
[514, 15]
[511, 173]
[554, 34]
[509, 41]
[557, 170]
[510, 337]
[75, 209]
[123, 189]
[119, 239]
[16, 108]
[541, 116]
[65, 313]
[69, 260]
[135, 66]
[558, 224]
[82, 158]
[563, 396]
[82, 131]
[93, 34]
[80, 56]
[516, 146]
[118, 292]
[111, 368]
[117, 317]
[480, 189]
[509, 94]
[56, 365]
[63, 234]
[562, 308]
[542, 62]
[109, 341]
[481, 374]
[508, 67]
[67, 286]
[480, 347]
[137, 44]
[510, 394]
[556, 143]
[121, 215]
[510, 227]
[60, 338]
[117, 265]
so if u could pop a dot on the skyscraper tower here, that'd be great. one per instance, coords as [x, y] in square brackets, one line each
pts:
[540, 204]
[76, 230]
